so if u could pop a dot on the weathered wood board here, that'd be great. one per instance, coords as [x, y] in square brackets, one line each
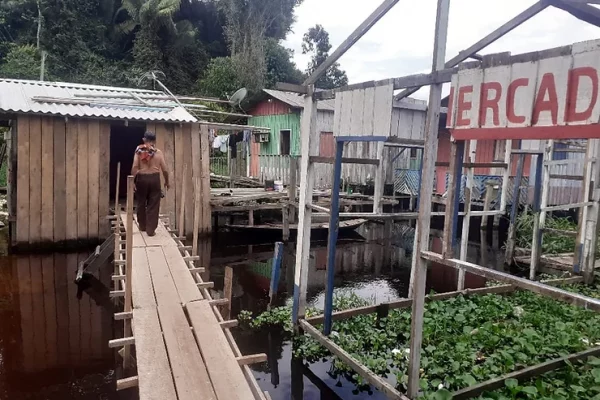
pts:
[551, 94]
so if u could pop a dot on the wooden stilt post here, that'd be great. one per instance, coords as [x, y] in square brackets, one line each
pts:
[181, 225]
[516, 201]
[197, 212]
[251, 218]
[293, 187]
[379, 180]
[540, 202]
[464, 241]
[487, 203]
[275, 272]
[307, 183]
[590, 234]
[117, 204]
[285, 222]
[423, 223]
[227, 292]
[128, 269]
[457, 153]
[578, 254]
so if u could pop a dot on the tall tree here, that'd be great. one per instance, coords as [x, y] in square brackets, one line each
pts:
[316, 43]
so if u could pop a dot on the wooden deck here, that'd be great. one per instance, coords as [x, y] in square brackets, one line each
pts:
[182, 348]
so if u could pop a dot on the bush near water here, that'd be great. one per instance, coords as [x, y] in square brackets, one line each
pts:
[465, 341]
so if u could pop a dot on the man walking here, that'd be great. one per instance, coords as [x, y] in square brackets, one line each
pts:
[148, 163]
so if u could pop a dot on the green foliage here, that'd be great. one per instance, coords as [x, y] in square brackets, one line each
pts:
[219, 45]
[220, 78]
[21, 62]
[465, 340]
[316, 42]
[552, 244]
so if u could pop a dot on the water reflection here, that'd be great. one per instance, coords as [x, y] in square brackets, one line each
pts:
[54, 334]
[375, 265]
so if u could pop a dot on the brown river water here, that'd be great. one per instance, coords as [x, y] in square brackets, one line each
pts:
[54, 334]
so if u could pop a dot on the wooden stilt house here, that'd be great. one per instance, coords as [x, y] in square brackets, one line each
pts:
[64, 143]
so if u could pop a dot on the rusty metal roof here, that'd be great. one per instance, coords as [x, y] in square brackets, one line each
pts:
[297, 100]
[78, 100]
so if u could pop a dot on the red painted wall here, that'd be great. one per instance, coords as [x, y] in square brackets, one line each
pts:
[270, 106]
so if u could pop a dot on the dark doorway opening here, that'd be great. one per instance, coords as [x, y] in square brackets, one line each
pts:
[285, 142]
[123, 142]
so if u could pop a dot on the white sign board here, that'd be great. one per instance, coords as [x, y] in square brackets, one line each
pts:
[551, 94]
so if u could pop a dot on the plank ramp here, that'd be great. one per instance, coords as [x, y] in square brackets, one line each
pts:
[174, 361]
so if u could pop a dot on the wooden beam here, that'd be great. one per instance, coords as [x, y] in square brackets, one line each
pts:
[127, 341]
[191, 258]
[218, 302]
[123, 316]
[486, 41]
[232, 323]
[205, 285]
[525, 373]
[290, 87]
[408, 81]
[252, 359]
[419, 265]
[351, 40]
[580, 10]
[406, 303]
[533, 286]
[197, 270]
[117, 293]
[330, 160]
[127, 383]
[376, 381]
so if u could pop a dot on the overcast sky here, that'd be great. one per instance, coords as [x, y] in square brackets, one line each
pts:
[402, 42]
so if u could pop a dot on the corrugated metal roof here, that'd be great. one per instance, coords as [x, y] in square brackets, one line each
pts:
[17, 96]
[297, 100]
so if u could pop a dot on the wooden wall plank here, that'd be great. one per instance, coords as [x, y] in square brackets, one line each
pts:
[47, 222]
[49, 294]
[177, 180]
[71, 180]
[82, 180]
[189, 192]
[23, 172]
[35, 179]
[166, 132]
[197, 169]
[205, 180]
[104, 181]
[60, 180]
[160, 144]
[93, 154]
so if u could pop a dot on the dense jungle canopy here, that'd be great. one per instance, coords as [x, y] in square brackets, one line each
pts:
[209, 47]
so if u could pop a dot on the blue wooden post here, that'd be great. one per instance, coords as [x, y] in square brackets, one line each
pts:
[275, 271]
[333, 234]
[460, 156]
[537, 192]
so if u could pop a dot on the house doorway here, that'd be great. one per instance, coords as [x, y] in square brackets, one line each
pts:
[123, 142]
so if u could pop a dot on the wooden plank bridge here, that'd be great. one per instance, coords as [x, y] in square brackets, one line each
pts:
[183, 347]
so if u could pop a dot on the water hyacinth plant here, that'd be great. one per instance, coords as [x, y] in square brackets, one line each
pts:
[465, 341]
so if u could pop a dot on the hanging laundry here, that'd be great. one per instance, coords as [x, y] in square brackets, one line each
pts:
[216, 142]
[233, 141]
[224, 142]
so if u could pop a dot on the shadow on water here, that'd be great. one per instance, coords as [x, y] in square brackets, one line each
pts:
[370, 263]
[53, 333]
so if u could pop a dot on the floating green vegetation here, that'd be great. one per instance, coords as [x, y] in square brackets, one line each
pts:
[552, 244]
[465, 341]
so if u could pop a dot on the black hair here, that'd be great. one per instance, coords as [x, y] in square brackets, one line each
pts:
[150, 136]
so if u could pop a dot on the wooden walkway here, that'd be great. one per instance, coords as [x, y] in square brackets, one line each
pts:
[184, 349]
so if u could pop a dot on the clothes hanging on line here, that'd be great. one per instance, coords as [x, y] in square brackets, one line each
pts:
[233, 141]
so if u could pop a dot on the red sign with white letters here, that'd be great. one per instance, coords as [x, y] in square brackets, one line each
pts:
[549, 98]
